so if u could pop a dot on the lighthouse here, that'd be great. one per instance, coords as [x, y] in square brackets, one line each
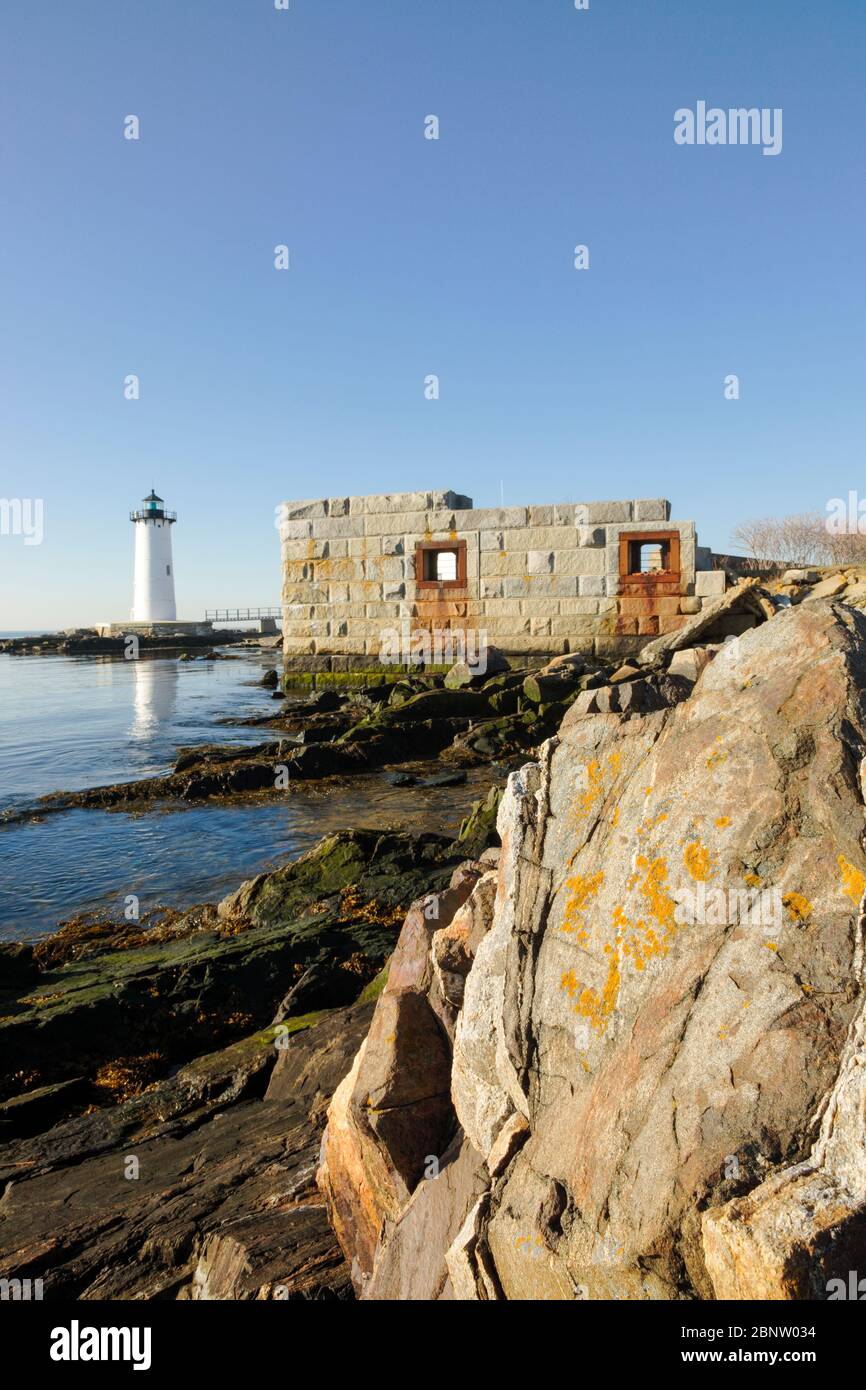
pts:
[153, 590]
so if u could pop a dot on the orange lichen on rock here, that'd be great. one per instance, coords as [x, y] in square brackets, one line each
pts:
[698, 861]
[597, 1008]
[853, 882]
[798, 907]
[661, 905]
[634, 942]
[582, 891]
[652, 823]
[595, 784]
[594, 789]
[569, 982]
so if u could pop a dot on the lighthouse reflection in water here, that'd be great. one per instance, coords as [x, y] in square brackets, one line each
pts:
[155, 694]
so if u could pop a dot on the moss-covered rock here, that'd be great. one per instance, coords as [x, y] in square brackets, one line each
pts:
[543, 689]
[426, 705]
[478, 831]
[329, 919]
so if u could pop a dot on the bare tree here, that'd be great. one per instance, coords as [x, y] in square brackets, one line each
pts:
[798, 540]
[801, 539]
[759, 539]
[847, 548]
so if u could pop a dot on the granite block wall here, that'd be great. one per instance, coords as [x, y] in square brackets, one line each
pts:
[535, 580]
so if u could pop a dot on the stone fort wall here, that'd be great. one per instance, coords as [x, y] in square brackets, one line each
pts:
[537, 580]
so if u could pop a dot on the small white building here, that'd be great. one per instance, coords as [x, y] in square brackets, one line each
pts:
[153, 589]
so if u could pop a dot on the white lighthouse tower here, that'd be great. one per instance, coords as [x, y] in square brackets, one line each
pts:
[153, 590]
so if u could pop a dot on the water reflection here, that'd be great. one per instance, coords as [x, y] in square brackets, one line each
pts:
[88, 859]
[154, 695]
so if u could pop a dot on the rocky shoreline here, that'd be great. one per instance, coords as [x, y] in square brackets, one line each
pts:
[168, 1037]
[88, 642]
[337, 734]
[128, 1038]
[412, 1066]
[168, 1041]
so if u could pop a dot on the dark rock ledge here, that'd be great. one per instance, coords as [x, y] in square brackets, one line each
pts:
[200, 1053]
[496, 719]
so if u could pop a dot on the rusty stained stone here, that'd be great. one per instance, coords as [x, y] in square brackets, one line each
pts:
[649, 606]
[648, 603]
[435, 613]
[323, 567]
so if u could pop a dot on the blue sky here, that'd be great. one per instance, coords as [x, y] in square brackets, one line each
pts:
[411, 257]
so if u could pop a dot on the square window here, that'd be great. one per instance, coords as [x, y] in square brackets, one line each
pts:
[649, 556]
[440, 564]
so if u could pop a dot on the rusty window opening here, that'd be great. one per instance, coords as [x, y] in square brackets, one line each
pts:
[649, 554]
[440, 564]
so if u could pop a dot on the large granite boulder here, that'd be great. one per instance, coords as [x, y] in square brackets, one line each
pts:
[658, 1025]
[671, 991]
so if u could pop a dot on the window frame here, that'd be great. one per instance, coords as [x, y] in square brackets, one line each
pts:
[424, 547]
[629, 538]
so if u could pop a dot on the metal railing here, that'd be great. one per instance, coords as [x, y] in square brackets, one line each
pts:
[239, 615]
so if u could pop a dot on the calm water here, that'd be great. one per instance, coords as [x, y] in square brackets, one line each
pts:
[73, 722]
